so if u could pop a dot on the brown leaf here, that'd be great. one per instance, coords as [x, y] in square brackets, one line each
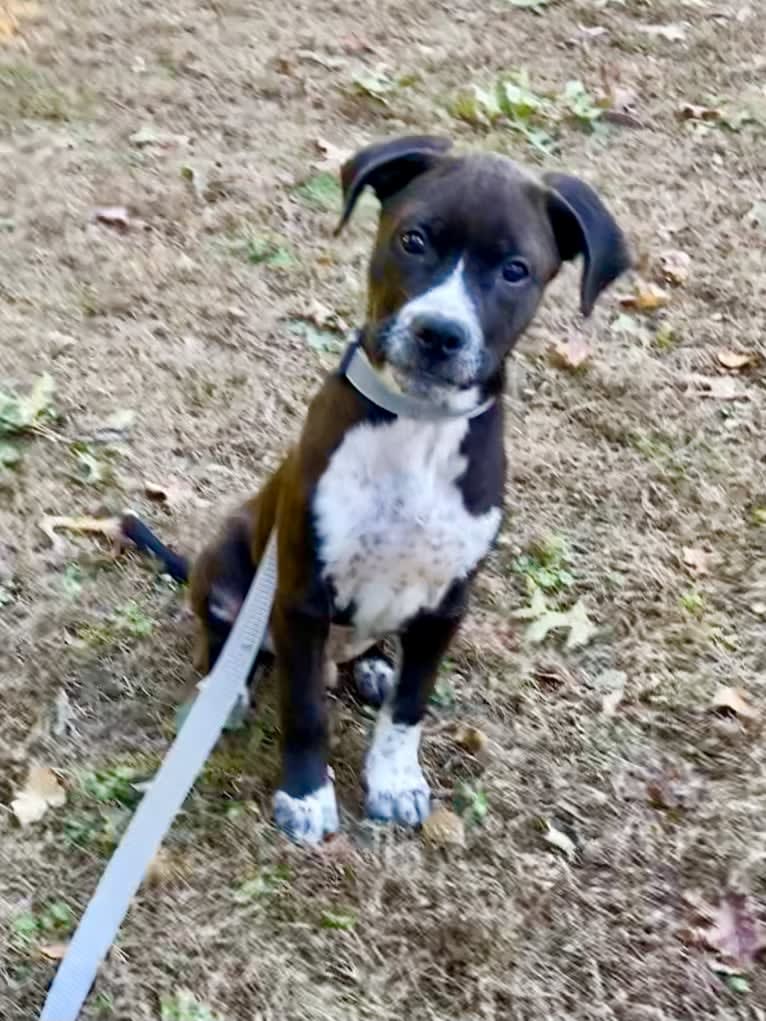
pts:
[443, 828]
[173, 494]
[617, 101]
[734, 359]
[696, 560]
[41, 792]
[646, 298]
[733, 700]
[471, 739]
[571, 354]
[690, 112]
[333, 156]
[736, 933]
[674, 267]
[54, 951]
[112, 216]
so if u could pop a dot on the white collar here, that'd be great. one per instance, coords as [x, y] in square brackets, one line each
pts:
[365, 378]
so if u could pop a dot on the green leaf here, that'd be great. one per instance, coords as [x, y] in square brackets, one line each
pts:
[331, 920]
[26, 926]
[9, 454]
[18, 414]
[376, 84]
[71, 581]
[543, 621]
[184, 1006]
[324, 341]
[322, 191]
[268, 882]
[737, 984]
[471, 803]
[269, 253]
[535, 6]
[89, 470]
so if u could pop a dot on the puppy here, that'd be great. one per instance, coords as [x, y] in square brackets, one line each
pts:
[388, 503]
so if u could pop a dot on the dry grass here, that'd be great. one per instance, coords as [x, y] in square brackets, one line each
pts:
[625, 461]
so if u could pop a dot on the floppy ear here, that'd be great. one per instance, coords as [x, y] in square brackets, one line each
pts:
[387, 167]
[582, 225]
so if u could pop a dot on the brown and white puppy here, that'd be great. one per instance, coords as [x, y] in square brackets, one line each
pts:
[383, 519]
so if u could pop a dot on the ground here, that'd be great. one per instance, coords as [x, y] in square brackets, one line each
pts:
[211, 317]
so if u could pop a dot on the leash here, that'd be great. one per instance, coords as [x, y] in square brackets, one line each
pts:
[218, 694]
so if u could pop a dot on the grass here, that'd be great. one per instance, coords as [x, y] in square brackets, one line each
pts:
[613, 474]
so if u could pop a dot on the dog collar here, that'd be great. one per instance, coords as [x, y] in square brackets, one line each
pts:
[365, 378]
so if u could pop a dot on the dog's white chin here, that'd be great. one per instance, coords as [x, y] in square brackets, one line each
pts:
[441, 395]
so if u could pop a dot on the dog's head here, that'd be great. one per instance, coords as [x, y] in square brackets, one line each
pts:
[465, 248]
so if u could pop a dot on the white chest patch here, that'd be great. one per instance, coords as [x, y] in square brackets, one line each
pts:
[394, 531]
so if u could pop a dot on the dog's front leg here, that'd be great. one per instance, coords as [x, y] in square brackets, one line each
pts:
[397, 790]
[304, 806]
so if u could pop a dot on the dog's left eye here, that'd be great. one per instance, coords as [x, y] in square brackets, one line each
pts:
[515, 270]
[413, 242]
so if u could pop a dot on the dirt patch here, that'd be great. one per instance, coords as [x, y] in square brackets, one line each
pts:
[197, 325]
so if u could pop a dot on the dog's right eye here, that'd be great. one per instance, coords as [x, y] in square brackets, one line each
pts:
[413, 242]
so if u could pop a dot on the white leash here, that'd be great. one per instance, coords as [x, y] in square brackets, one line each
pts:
[162, 801]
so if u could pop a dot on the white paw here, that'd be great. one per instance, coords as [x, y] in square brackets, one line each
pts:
[309, 819]
[374, 678]
[396, 788]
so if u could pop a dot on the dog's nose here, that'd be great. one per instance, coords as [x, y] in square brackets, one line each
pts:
[438, 336]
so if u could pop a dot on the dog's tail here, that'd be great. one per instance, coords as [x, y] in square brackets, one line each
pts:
[134, 529]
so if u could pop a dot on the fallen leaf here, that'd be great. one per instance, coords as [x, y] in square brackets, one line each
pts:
[12, 13]
[560, 841]
[471, 739]
[333, 920]
[581, 628]
[112, 216]
[734, 359]
[733, 700]
[611, 702]
[41, 792]
[674, 33]
[696, 560]
[376, 84]
[334, 156]
[674, 267]
[571, 354]
[647, 297]
[173, 494]
[617, 101]
[691, 112]
[575, 620]
[629, 326]
[54, 951]
[20, 414]
[735, 932]
[443, 828]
